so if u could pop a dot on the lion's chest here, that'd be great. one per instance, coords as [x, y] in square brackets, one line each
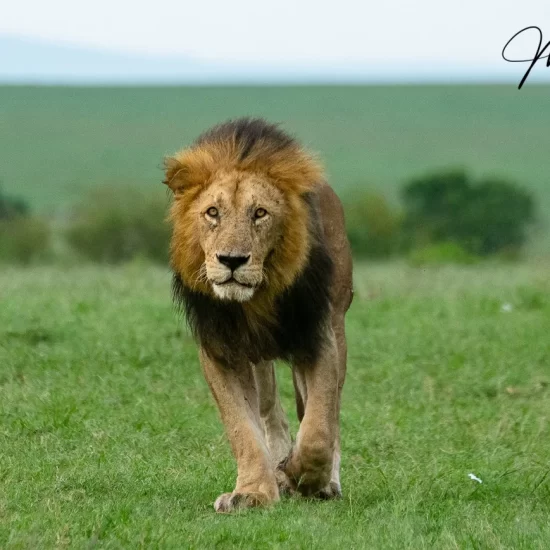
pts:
[294, 330]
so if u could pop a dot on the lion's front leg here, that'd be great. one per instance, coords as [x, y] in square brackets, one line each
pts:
[273, 417]
[234, 390]
[310, 464]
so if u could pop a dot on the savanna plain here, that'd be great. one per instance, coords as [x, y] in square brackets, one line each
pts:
[108, 435]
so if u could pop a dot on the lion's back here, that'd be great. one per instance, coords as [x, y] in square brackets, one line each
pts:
[334, 230]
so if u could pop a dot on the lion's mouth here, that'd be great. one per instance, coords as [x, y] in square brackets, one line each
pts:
[233, 280]
[233, 290]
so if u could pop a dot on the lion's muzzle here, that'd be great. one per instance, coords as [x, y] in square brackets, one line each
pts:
[233, 277]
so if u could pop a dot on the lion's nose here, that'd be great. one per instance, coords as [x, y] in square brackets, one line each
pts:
[233, 262]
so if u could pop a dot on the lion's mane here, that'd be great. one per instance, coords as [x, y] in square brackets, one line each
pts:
[286, 319]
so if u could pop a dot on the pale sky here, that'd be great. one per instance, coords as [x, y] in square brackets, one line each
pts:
[464, 32]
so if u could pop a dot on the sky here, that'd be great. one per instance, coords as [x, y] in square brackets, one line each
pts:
[466, 33]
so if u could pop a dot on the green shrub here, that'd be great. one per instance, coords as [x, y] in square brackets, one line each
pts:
[432, 205]
[373, 227]
[12, 207]
[116, 224]
[24, 240]
[487, 217]
[440, 254]
[497, 218]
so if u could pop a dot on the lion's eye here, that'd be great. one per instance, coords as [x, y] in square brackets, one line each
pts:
[260, 213]
[212, 212]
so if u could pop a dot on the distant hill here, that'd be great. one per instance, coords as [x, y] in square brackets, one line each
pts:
[34, 61]
[29, 60]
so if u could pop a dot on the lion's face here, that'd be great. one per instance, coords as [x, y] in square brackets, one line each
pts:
[239, 223]
[241, 214]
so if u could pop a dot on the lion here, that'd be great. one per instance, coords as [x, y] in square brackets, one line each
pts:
[262, 269]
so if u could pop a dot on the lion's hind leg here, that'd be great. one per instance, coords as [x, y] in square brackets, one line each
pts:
[274, 420]
[334, 489]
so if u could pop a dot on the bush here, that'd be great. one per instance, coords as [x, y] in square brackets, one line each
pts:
[12, 207]
[373, 227]
[24, 240]
[497, 218]
[116, 224]
[486, 217]
[440, 254]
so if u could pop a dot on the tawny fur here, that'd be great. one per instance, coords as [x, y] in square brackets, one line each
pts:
[297, 269]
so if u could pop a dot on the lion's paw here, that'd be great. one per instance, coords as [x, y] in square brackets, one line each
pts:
[332, 490]
[310, 481]
[231, 502]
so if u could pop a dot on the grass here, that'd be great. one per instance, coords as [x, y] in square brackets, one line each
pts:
[109, 438]
[59, 141]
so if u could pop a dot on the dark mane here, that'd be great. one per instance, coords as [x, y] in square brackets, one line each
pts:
[231, 331]
[225, 332]
[249, 133]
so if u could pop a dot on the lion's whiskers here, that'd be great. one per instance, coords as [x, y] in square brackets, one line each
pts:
[199, 276]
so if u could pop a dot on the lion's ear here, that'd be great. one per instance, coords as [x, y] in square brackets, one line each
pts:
[189, 168]
[174, 174]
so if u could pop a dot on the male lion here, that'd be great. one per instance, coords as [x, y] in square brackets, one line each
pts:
[262, 268]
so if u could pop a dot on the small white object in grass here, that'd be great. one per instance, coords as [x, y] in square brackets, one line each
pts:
[506, 308]
[475, 478]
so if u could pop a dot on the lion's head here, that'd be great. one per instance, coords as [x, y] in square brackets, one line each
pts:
[241, 222]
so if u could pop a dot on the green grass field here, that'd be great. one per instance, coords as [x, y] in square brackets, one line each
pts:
[55, 142]
[109, 438]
